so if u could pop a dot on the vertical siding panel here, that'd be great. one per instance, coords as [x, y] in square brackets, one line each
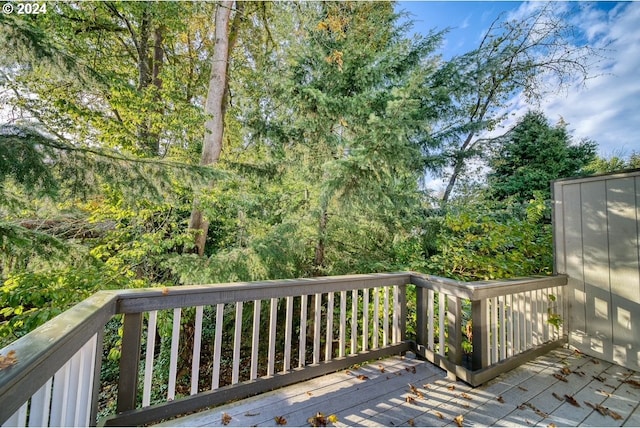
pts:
[572, 222]
[625, 282]
[596, 267]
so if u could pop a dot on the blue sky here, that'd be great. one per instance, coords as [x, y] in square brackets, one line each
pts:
[607, 109]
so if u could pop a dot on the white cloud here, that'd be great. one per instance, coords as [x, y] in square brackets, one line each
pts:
[607, 108]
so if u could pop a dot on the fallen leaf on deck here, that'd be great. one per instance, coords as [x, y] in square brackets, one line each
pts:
[500, 399]
[560, 377]
[381, 368]
[226, 418]
[356, 366]
[165, 291]
[571, 400]
[459, 420]
[566, 371]
[467, 396]
[597, 407]
[332, 418]
[600, 378]
[309, 393]
[280, 420]
[318, 420]
[551, 425]
[426, 386]
[633, 382]
[348, 372]
[409, 399]
[614, 415]
[363, 377]
[438, 414]
[451, 387]
[580, 373]
[522, 388]
[603, 392]
[557, 397]
[411, 423]
[8, 360]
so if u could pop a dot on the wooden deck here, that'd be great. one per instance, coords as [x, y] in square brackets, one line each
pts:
[407, 392]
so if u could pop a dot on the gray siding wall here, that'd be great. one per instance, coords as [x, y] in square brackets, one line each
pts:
[596, 240]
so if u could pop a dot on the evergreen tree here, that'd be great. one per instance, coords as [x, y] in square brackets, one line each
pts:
[532, 154]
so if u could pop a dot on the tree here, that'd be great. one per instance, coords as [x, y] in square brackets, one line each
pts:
[532, 154]
[528, 56]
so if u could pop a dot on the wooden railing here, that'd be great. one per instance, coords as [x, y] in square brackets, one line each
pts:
[263, 335]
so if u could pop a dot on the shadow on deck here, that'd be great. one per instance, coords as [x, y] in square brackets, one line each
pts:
[405, 391]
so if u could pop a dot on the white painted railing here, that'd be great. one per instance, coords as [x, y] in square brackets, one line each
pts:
[264, 335]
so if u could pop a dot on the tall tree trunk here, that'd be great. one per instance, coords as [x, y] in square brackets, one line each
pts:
[214, 110]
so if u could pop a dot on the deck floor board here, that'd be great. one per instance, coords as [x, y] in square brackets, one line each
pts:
[404, 391]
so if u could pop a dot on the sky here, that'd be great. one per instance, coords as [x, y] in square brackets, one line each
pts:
[607, 109]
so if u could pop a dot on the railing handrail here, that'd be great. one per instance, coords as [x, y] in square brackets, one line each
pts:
[478, 290]
[149, 299]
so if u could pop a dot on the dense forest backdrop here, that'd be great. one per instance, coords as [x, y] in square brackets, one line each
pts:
[147, 144]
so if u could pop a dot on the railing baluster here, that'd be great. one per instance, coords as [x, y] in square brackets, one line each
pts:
[288, 331]
[385, 322]
[60, 397]
[149, 357]
[397, 310]
[303, 331]
[354, 322]
[365, 319]
[197, 345]
[376, 317]
[430, 320]
[255, 340]
[503, 328]
[328, 354]
[87, 370]
[237, 344]
[40, 406]
[343, 324]
[273, 325]
[316, 327]
[217, 346]
[441, 324]
[510, 313]
[18, 419]
[494, 330]
[173, 358]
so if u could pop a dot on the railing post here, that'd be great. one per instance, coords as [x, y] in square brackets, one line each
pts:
[421, 317]
[129, 362]
[480, 334]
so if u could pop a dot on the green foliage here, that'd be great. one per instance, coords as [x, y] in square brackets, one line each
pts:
[533, 154]
[493, 240]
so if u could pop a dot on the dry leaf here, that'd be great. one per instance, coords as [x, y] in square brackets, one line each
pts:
[459, 420]
[600, 378]
[633, 383]
[451, 387]
[438, 414]
[409, 399]
[411, 423]
[362, 377]
[226, 418]
[8, 360]
[557, 397]
[522, 388]
[467, 396]
[551, 425]
[356, 366]
[309, 393]
[614, 415]
[318, 420]
[598, 408]
[381, 368]
[280, 420]
[500, 399]
[426, 386]
[603, 392]
[348, 372]
[560, 377]
[566, 371]
[571, 400]
[580, 373]
[332, 418]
